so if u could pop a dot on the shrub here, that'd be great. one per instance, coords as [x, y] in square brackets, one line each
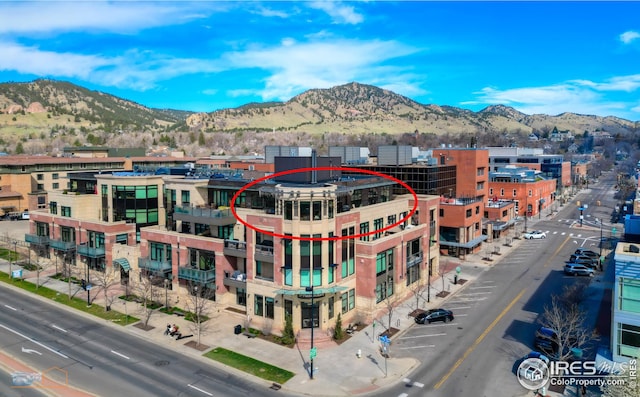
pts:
[287, 333]
[338, 333]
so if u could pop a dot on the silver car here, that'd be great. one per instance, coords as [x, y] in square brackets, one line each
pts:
[574, 269]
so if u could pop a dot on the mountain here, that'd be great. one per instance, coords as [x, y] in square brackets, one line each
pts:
[44, 116]
[361, 109]
[44, 104]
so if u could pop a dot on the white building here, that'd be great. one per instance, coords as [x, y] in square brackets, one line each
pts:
[625, 319]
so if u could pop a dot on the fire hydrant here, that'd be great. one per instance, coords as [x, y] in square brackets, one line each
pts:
[359, 353]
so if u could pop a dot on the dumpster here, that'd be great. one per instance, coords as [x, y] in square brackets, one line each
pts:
[237, 329]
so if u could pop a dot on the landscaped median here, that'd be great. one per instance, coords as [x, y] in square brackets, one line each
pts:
[76, 303]
[250, 365]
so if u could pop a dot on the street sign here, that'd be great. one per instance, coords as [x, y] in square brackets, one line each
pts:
[16, 273]
[614, 231]
[88, 287]
[313, 353]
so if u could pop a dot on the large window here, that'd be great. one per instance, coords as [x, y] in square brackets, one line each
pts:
[53, 207]
[65, 211]
[288, 261]
[137, 204]
[160, 252]
[200, 259]
[364, 228]
[348, 252]
[377, 227]
[628, 340]
[629, 295]
[186, 197]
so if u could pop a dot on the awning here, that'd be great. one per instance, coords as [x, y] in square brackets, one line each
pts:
[123, 263]
[468, 244]
[316, 291]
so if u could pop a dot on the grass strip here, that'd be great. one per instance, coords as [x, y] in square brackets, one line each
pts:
[74, 302]
[250, 365]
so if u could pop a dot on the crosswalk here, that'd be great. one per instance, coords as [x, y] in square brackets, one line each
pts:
[555, 232]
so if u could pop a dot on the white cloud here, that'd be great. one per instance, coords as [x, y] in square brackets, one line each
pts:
[270, 12]
[340, 13]
[210, 91]
[138, 70]
[295, 67]
[620, 83]
[629, 36]
[121, 17]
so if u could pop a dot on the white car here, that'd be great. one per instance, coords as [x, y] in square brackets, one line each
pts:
[535, 234]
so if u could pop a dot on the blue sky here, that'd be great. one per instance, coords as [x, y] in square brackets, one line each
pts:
[538, 57]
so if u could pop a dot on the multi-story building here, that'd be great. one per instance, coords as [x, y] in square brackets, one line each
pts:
[625, 320]
[551, 166]
[527, 188]
[26, 180]
[348, 242]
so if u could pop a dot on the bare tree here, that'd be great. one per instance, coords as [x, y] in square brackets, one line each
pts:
[390, 304]
[565, 317]
[201, 306]
[417, 291]
[444, 268]
[41, 264]
[147, 295]
[107, 280]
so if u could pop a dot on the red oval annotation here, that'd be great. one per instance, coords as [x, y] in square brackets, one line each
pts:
[334, 238]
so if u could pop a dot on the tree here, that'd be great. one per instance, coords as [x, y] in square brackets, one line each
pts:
[417, 290]
[107, 280]
[145, 291]
[287, 334]
[444, 269]
[565, 317]
[19, 148]
[199, 304]
[338, 332]
[201, 140]
[625, 384]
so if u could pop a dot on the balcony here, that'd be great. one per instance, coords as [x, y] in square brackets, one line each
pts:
[204, 215]
[64, 246]
[237, 279]
[90, 252]
[154, 266]
[197, 275]
[35, 239]
[414, 259]
[235, 248]
[264, 253]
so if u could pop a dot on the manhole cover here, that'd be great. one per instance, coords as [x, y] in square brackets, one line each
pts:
[161, 363]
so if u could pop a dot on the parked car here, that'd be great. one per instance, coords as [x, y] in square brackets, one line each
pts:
[538, 355]
[587, 252]
[583, 259]
[545, 340]
[535, 234]
[585, 262]
[574, 269]
[434, 315]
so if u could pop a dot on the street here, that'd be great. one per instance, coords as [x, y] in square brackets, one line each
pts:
[496, 317]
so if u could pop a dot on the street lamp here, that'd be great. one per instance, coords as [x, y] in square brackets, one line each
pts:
[429, 269]
[311, 355]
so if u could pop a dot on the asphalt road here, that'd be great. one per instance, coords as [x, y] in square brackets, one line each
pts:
[104, 360]
[496, 317]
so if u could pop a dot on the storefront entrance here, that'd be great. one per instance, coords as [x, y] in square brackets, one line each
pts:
[308, 314]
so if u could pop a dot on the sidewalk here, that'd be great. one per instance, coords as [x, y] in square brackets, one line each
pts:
[338, 371]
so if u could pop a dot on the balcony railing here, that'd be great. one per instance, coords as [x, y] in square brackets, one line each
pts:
[235, 248]
[62, 245]
[90, 252]
[264, 253]
[154, 265]
[197, 275]
[236, 279]
[205, 215]
[414, 259]
[35, 239]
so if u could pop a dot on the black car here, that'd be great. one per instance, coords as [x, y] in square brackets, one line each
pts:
[582, 259]
[586, 252]
[434, 315]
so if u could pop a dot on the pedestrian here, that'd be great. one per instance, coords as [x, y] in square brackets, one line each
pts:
[583, 390]
[168, 329]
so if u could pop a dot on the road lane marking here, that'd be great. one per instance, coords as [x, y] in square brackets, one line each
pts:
[200, 390]
[9, 307]
[485, 286]
[420, 336]
[461, 315]
[418, 384]
[415, 347]
[479, 339]
[34, 341]
[460, 308]
[58, 328]
[476, 293]
[403, 395]
[119, 354]
[556, 253]
[439, 325]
